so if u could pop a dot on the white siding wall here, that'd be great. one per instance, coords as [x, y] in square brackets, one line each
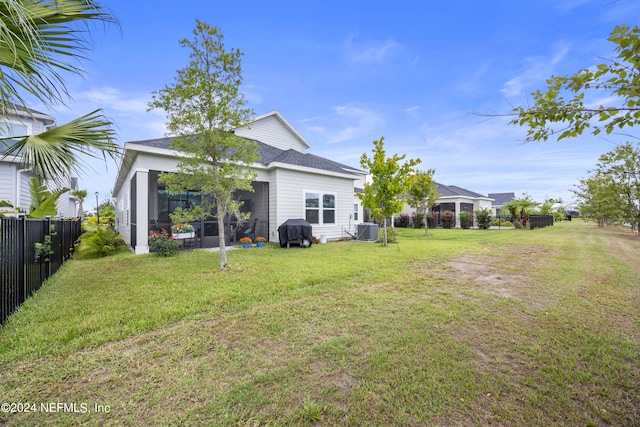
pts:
[25, 192]
[7, 182]
[270, 130]
[291, 186]
[123, 213]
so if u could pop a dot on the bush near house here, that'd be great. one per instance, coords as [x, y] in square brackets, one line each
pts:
[162, 244]
[402, 220]
[418, 220]
[466, 220]
[447, 219]
[433, 219]
[483, 218]
[99, 243]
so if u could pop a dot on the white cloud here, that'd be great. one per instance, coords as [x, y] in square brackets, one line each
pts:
[536, 71]
[473, 83]
[371, 52]
[413, 112]
[127, 110]
[346, 123]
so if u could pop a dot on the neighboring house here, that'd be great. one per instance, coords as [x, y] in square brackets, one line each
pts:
[290, 183]
[14, 179]
[456, 199]
[499, 200]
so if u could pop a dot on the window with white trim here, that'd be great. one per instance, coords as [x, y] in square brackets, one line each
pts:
[320, 208]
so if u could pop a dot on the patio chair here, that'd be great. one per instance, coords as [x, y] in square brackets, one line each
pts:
[251, 231]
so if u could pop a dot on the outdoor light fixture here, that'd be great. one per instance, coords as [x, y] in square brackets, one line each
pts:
[97, 209]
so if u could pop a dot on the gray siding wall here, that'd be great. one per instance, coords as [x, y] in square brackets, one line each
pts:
[270, 130]
[291, 186]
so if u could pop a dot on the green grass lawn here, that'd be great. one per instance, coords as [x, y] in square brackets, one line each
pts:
[464, 327]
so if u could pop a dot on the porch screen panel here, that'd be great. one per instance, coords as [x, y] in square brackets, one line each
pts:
[466, 207]
[133, 205]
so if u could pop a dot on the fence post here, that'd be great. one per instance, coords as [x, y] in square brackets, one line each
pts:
[47, 232]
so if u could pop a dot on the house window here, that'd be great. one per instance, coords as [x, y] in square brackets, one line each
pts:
[312, 207]
[320, 213]
[355, 211]
[328, 209]
[9, 129]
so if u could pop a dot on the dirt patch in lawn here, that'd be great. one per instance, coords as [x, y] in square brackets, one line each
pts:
[493, 275]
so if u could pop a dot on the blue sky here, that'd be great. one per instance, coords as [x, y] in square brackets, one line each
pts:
[344, 73]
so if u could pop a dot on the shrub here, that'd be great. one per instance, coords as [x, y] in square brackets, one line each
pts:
[466, 220]
[433, 219]
[99, 243]
[392, 235]
[402, 220]
[447, 219]
[483, 217]
[418, 220]
[162, 244]
[497, 222]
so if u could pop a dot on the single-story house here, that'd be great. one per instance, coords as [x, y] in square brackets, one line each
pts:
[499, 200]
[456, 199]
[290, 183]
[14, 178]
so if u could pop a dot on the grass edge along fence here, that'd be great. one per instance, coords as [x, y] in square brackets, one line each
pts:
[31, 250]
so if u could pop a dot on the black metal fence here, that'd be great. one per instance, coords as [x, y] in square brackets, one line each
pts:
[31, 250]
[540, 221]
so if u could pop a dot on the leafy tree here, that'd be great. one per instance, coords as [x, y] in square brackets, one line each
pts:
[618, 78]
[598, 195]
[37, 39]
[613, 191]
[422, 193]
[203, 107]
[384, 196]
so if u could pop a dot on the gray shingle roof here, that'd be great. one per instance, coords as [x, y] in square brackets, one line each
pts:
[452, 191]
[270, 154]
[501, 198]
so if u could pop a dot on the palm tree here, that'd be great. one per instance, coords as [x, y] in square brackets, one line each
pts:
[80, 195]
[519, 210]
[36, 40]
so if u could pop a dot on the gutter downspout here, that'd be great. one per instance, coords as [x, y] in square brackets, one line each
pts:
[17, 202]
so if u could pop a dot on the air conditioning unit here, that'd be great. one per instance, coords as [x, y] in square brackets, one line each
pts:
[368, 232]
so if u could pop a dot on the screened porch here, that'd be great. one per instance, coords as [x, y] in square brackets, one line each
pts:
[255, 204]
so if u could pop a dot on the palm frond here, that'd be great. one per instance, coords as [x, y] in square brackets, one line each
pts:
[59, 151]
[36, 39]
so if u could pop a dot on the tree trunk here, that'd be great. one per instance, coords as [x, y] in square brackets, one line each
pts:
[384, 227]
[426, 222]
[222, 241]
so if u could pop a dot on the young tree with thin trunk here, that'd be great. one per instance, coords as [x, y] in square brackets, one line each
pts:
[422, 193]
[384, 196]
[204, 106]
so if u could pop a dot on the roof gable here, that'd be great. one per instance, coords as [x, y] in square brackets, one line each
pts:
[272, 129]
